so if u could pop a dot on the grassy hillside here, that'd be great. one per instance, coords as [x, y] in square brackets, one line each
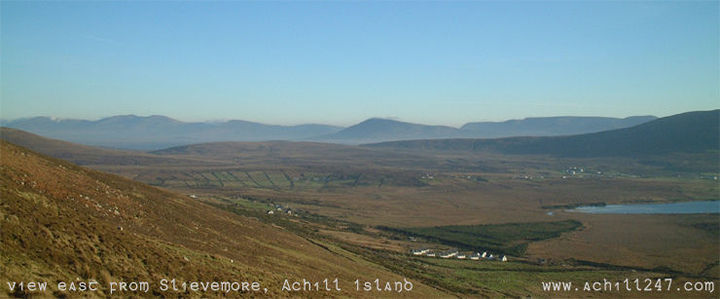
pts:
[340, 194]
[61, 222]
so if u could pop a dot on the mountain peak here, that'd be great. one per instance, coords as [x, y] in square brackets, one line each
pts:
[133, 117]
[374, 129]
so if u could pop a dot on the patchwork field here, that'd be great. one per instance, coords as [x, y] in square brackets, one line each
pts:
[427, 190]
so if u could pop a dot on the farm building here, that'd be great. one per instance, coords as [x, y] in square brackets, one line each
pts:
[449, 254]
[420, 251]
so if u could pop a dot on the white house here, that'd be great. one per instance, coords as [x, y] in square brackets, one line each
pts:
[504, 258]
[461, 256]
[420, 251]
[484, 254]
[271, 212]
[449, 254]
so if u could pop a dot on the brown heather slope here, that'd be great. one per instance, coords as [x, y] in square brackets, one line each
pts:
[62, 222]
[292, 153]
[88, 155]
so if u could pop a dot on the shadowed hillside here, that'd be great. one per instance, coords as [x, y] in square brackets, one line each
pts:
[379, 130]
[691, 132]
[550, 126]
[61, 222]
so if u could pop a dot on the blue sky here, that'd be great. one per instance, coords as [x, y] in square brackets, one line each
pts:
[343, 62]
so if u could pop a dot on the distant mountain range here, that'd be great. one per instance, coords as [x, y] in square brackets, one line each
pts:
[378, 130]
[157, 132]
[679, 142]
[691, 132]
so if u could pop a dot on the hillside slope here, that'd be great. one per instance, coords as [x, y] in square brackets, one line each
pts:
[83, 154]
[549, 126]
[691, 132]
[62, 222]
[383, 130]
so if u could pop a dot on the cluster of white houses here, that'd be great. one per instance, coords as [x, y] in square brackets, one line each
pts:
[280, 210]
[458, 255]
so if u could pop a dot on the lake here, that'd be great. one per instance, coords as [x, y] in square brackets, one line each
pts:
[688, 207]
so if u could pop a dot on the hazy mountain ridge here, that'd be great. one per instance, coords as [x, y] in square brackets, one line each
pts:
[157, 132]
[382, 130]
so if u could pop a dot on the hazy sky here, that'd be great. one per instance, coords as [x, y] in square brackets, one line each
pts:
[340, 63]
